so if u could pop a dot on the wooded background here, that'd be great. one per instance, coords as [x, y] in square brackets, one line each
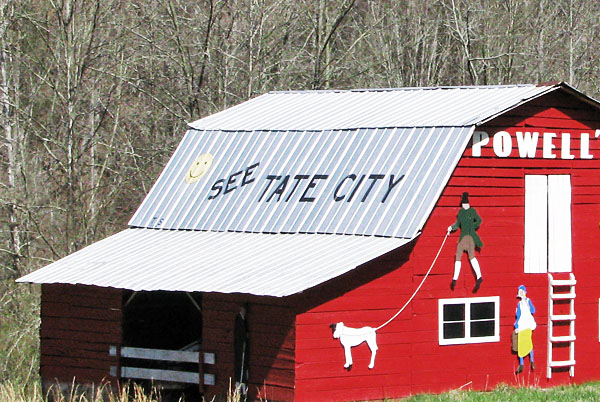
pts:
[95, 94]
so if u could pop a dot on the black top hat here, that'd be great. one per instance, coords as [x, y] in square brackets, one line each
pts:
[465, 198]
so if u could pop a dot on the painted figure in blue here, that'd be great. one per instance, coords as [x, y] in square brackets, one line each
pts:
[524, 326]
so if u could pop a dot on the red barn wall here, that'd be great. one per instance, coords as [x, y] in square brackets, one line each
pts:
[410, 360]
[561, 115]
[271, 344]
[78, 325]
[364, 297]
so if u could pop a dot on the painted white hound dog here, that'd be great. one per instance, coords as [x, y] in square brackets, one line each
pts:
[350, 337]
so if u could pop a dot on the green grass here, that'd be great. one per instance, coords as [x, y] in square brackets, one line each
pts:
[573, 393]
[19, 333]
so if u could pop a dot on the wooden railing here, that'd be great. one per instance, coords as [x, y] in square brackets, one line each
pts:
[169, 356]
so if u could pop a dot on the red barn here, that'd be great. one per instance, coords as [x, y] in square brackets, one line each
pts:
[296, 210]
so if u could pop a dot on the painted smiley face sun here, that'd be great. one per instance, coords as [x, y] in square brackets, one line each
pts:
[198, 168]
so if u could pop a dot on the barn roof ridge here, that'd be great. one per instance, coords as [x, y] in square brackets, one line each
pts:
[394, 89]
[330, 109]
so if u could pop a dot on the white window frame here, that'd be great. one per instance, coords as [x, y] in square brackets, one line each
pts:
[536, 224]
[559, 223]
[547, 224]
[467, 301]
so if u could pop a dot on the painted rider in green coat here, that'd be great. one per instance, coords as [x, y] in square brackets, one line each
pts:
[468, 221]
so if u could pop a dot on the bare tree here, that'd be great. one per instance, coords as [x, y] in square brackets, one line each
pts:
[95, 94]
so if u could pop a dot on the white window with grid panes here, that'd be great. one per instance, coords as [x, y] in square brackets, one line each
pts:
[469, 320]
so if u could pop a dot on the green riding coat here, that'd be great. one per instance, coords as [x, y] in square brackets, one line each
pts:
[468, 221]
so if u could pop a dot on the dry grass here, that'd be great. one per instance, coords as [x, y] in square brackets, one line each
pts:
[14, 392]
[10, 392]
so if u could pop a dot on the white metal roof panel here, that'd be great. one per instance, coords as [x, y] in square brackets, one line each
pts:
[381, 182]
[351, 109]
[343, 151]
[259, 264]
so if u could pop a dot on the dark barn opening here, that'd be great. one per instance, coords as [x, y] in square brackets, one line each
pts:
[162, 320]
[158, 322]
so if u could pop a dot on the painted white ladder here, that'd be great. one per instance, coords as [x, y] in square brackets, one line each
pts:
[561, 318]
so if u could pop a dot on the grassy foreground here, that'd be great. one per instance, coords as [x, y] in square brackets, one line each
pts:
[573, 393]
[10, 392]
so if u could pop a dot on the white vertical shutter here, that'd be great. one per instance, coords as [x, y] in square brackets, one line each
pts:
[559, 223]
[536, 223]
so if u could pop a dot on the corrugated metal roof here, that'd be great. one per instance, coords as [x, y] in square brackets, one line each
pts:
[260, 264]
[352, 109]
[381, 182]
[324, 165]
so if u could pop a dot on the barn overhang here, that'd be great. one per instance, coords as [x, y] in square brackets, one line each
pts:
[225, 262]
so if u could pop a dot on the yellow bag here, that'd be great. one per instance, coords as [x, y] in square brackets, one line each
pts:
[525, 343]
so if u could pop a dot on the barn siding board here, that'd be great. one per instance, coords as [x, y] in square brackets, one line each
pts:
[80, 362]
[217, 337]
[95, 293]
[64, 310]
[78, 325]
[51, 374]
[324, 319]
[370, 393]
[66, 349]
[268, 370]
[97, 337]
[274, 358]
[391, 359]
[521, 163]
[82, 301]
[271, 337]
[275, 393]
[363, 381]
[58, 343]
[548, 123]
